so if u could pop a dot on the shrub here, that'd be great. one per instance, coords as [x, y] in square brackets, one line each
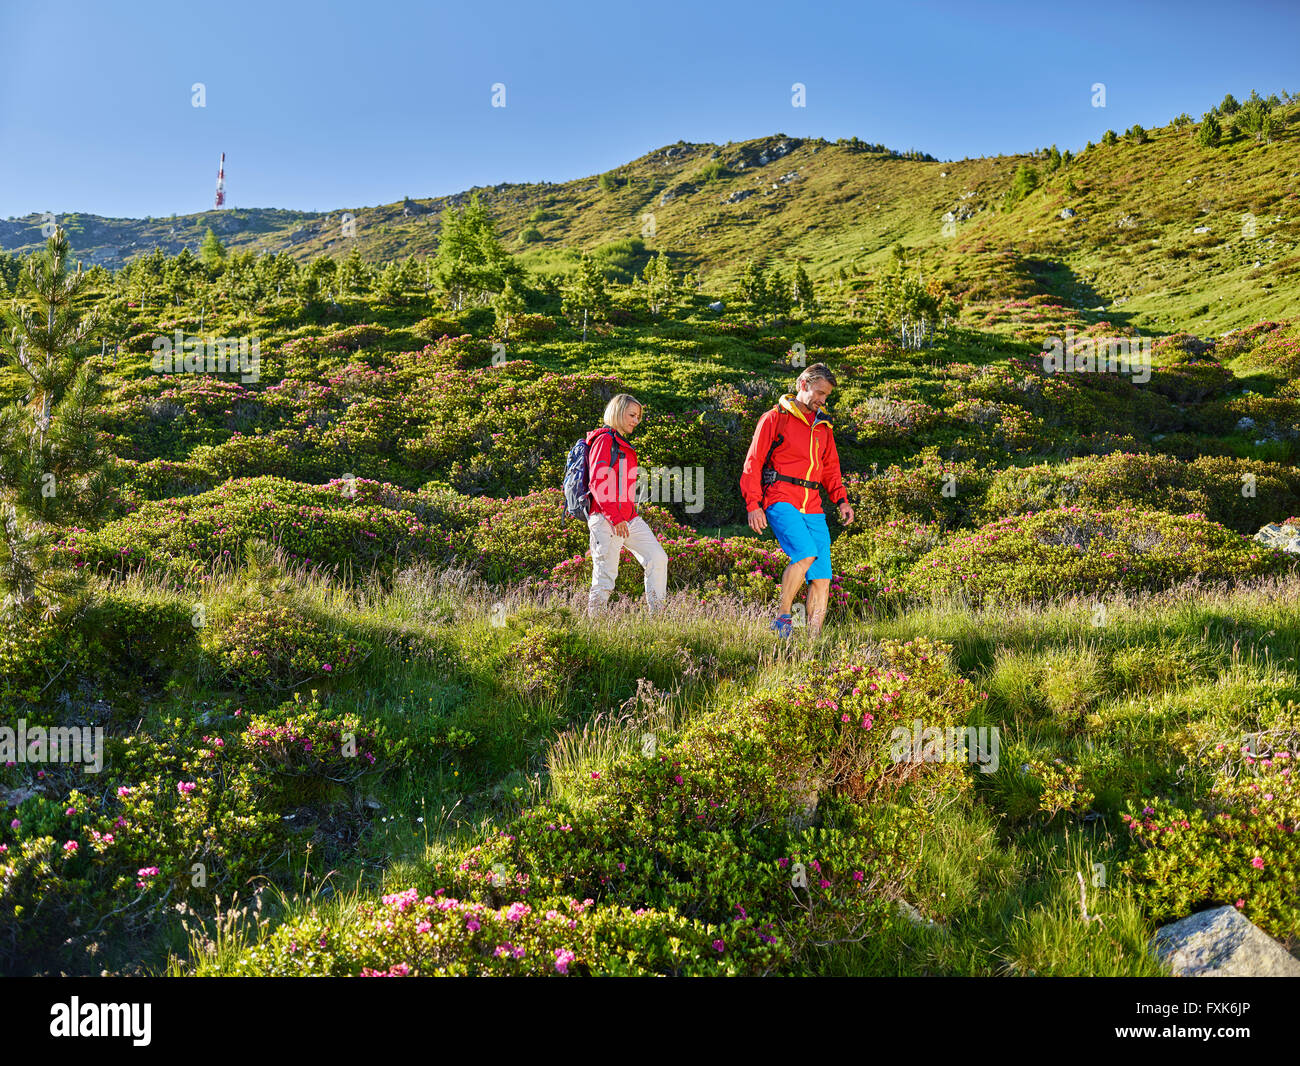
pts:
[320, 524]
[1238, 493]
[1072, 551]
[182, 814]
[932, 490]
[439, 935]
[278, 646]
[1237, 845]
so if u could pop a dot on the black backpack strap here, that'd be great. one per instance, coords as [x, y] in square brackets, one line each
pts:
[767, 461]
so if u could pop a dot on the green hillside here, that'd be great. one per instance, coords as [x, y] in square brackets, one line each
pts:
[1129, 250]
[322, 600]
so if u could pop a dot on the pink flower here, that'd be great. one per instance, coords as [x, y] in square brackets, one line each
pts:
[517, 912]
[15, 824]
[719, 946]
[71, 812]
[71, 846]
[326, 667]
[423, 927]
[563, 956]
[1257, 862]
[1239, 904]
[473, 925]
[185, 787]
[857, 875]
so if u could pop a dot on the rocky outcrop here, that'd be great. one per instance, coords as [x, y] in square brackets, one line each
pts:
[1285, 536]
[1222, 943]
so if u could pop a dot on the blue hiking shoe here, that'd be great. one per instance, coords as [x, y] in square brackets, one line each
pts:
[783, 626]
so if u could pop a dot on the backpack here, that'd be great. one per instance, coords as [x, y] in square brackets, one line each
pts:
[576, 487]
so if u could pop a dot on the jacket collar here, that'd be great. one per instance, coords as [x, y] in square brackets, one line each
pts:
[787, 404]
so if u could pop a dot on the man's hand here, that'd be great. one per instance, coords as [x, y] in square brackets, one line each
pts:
[620, 530]
[846, 514]
[757, 520]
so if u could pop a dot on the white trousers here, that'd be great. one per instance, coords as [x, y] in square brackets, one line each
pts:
[605, 550]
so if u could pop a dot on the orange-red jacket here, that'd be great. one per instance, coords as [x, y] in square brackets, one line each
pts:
[612, 487]
[807, 451]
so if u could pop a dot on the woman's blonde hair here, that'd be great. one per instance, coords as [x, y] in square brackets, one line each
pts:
[616, 410]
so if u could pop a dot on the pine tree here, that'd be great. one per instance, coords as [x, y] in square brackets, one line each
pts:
[1210, 133]
[212, 252]
[753, 289]
[354, 274]
[779, 295]
[660, 285]
[388, 286]
[471, 260]
[508, 304]
[51, 465]
[802, 288]
[585, 292]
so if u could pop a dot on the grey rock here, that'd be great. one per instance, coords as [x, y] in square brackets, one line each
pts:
[1222, 942]
[718, 306]
[1067, 212]
[1284, 537]
[17, 795]
[918, 919]
[1201, 229]
[740, 194]
[676, 191]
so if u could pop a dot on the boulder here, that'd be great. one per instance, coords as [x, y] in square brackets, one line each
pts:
[1222, 942]
[1067, 212]
[1285, 536]
[717, 306]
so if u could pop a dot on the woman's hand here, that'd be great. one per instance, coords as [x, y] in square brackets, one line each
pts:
[620, 530]
[757, 520]
[846, 513]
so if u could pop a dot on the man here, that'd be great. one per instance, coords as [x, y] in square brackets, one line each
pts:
[791, 459]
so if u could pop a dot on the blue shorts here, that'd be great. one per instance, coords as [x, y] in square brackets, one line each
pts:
[802, 536]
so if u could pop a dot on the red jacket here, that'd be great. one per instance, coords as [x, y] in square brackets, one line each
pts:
[807, 452]
[612, 487]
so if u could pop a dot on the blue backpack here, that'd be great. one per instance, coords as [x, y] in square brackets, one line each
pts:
[576, 487]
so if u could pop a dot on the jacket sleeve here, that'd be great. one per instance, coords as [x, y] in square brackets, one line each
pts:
[831, 473]
[751, 477]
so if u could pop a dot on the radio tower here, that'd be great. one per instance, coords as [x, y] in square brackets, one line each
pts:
[221, 182]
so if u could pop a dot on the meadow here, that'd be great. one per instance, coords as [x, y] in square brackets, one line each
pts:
[327, 613]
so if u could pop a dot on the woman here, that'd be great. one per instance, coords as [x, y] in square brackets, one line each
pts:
[612, 518]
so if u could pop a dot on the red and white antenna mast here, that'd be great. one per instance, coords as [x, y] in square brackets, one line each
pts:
[221, 182]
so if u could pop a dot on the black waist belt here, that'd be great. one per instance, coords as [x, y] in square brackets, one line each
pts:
[770, 476]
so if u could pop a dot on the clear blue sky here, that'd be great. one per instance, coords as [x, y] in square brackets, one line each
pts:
[321, 106]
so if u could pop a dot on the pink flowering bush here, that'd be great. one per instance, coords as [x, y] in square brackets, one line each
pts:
[1236, 845]
[1211, 485]
[181, 814]
[1073, 550]
[413, 935]
[278, 646]
[710, 827]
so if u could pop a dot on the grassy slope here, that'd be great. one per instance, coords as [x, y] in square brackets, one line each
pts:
[846, 208]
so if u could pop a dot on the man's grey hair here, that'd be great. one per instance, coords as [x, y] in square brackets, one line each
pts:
[816, 372]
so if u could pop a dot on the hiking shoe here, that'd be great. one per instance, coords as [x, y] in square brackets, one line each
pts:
[783, 626]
